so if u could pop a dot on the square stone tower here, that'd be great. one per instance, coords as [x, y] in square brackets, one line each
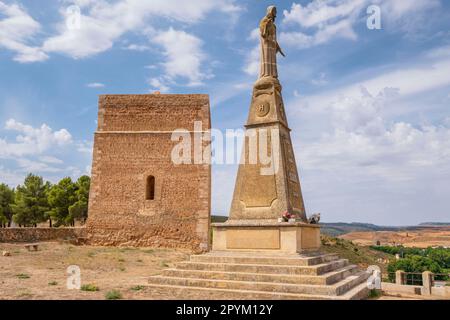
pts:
[139, 196]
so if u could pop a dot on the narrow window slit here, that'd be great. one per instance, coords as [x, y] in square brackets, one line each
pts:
[150, 188]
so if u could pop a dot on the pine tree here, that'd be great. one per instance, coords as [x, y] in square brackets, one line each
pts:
[60, 197]
[31, 202]
[79, 210]
[6, 202]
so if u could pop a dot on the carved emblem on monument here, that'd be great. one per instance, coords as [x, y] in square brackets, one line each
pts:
[263, 109]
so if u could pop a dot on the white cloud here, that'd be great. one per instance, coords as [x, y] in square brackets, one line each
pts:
[158, 84]
[136, 47]
[95, 85]
[50, 159]
[10, 177]
[408, 80]
[320, 12]
[104, 22]
[373, 148]
[184, 56]
[43, 151]
[251, 66]
[85, 146]
[319, 21]
[26, 165]
[362, 139]
[32, 141]
[16, 32]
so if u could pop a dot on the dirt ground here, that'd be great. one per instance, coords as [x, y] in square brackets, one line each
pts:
[42, 274]
[421, 238]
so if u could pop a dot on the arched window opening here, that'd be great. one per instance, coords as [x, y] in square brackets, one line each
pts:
[150, 188]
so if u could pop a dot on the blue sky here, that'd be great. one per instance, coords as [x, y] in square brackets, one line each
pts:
[369, 109]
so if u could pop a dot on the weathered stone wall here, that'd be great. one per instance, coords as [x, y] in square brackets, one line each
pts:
[40, 234]
[133, 142]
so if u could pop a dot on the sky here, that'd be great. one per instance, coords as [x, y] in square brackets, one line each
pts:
[369, 109]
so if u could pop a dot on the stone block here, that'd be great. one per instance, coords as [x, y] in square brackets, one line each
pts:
[281, 237]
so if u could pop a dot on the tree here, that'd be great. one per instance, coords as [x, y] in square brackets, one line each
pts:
[6, 202]
[79, 210]
[60, 197]
[31, 202]
[414, 264]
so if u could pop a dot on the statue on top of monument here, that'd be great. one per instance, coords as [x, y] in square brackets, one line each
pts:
[269, 44]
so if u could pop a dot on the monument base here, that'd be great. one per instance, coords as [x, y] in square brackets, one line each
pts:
[282, 237]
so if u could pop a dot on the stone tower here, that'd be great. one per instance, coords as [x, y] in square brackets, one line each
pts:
[139, 196]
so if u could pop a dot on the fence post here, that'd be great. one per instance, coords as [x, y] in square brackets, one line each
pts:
[400, 277]
[427, 278]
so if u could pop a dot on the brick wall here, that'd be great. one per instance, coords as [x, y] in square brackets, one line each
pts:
[133, 142]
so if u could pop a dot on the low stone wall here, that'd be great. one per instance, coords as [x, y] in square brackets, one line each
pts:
[393, 288]
[40, 234]
[399, 289]
[442, 292]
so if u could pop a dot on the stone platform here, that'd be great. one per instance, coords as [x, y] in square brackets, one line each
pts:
[250, 275]
[274, 237]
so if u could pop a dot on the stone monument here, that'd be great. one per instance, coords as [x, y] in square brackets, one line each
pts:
[263, 195]
[139, 196]
[267, 249]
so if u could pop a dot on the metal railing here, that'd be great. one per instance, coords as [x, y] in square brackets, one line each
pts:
[416, 279]
[440, 279]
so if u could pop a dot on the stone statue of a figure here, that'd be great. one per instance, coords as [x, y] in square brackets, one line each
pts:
[269, 44]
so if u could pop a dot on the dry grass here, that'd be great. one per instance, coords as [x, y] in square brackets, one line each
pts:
[42, 274]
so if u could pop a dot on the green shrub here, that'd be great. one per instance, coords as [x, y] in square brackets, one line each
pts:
[89, 287]
[137, 288]
[374, 293]
[23, 276]
[113, 295]
[53, 283]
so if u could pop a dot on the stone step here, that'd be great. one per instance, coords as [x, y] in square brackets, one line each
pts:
[351, 282]
[272, 269]
[324, 279]
[197, 293]
[242, 258]
[330, 290]
[359, 292]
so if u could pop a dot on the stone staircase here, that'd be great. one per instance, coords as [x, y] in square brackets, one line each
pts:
[244, 275]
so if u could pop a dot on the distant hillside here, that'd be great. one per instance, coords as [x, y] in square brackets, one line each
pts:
[336, 229]
[435, 224]
[362, 256]
[340, 228]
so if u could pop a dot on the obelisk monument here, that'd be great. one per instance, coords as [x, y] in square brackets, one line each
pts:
[259, 195]
[267, 188]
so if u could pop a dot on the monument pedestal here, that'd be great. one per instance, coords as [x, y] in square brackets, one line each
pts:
[273, 237]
